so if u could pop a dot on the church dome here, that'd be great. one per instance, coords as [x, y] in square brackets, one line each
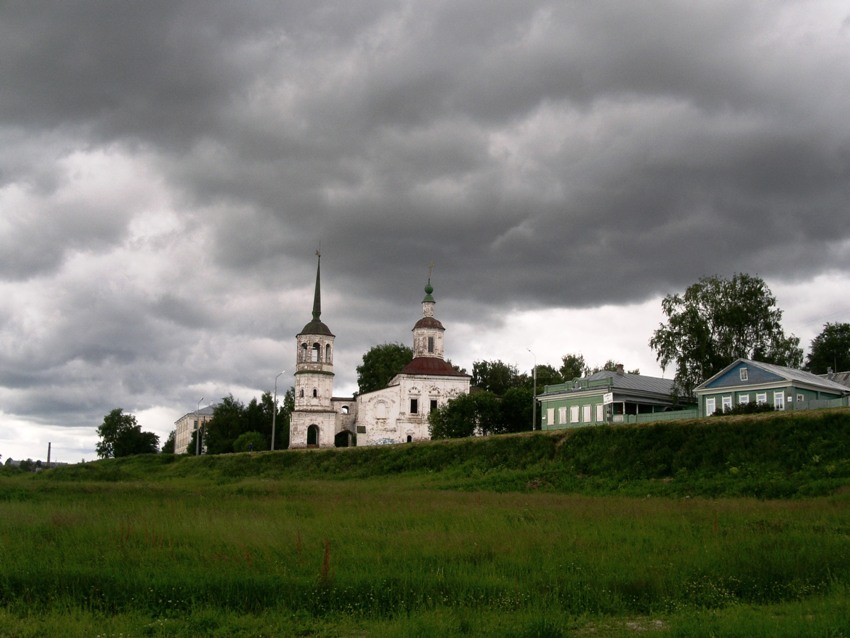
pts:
[316, 327]
[429, 322]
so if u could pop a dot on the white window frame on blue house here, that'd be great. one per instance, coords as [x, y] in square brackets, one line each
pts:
[779, 400]
[710, 406]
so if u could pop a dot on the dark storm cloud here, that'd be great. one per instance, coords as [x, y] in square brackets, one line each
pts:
[167, 170]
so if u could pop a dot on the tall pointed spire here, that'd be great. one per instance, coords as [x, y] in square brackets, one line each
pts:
[317, 296]
[316, 327]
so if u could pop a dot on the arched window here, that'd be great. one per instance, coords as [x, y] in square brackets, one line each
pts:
[301, 393]
[314, 355]
[315, 393]
[303, 352]
[431, 344]
[328, 353]
[313, 435]
[344, 409]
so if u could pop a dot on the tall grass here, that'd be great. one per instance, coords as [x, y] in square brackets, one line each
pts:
[372, 553]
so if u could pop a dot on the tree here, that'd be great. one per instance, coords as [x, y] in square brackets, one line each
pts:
[573, 367]
[517, 409]
[547, 375]
[250, 442]
[168, 446]
[466, 415]
[495, 376]
[830, 350]
[225, 426]
[717, 321]
[380, 364]
[120, 435]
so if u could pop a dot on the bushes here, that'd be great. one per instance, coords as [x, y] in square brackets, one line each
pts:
[766, 455]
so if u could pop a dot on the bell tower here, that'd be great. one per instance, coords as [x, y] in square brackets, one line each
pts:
[313, 420]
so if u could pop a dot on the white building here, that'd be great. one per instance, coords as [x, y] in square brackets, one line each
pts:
[187, 424]
[399, 412]
[395, 414]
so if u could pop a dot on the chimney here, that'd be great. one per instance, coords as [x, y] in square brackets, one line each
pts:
[620, 370]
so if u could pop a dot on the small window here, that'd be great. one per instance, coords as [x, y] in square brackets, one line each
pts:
[433, 404]
[315, 393]
[726, 402]
[710, 406]
[562, 414]
[761, 397]
[779, 400]
[744, 399]
[573, 414]
[431, 344]
[745, 375]
[800, 398]
[414, 406]
[344, 409]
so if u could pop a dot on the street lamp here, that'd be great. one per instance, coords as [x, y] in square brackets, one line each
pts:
[534, 393]
[274, 409]
[198, 429]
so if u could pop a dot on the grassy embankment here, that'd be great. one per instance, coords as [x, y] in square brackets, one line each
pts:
[726, 527]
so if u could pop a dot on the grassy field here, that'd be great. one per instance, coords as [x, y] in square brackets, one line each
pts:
[160, 546]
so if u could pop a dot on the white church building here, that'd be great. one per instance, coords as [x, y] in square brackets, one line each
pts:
[395, 414]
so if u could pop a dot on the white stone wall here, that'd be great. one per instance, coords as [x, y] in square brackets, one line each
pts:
[384, 416]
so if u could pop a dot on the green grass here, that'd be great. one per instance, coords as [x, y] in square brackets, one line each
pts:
[510, 536]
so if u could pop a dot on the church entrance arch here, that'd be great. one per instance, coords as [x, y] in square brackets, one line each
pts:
[313, 436]
[342, 439]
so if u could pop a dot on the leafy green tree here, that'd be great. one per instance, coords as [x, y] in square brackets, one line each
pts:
[517, 409]
[168, 446]
[380, 364]
[717, 321]
[830, 350]
[250, 442]
[495, 376]
[573, 367]
[547, 375]
[120, 435]
[225, 426]
[482, 413]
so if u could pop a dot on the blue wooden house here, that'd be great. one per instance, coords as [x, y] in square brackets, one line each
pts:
[746, 381]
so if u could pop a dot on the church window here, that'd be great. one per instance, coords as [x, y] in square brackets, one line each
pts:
[414, 406]
[303, 353]
[431, 344]
[315, 393]
[314, 355]
[344, 409]
[328, 353]
[433, 404]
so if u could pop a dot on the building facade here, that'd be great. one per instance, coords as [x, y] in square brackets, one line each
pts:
[607, 397]
[746, 381]
[319, 419]
[399, 412]
[395, 414]
[187, 424]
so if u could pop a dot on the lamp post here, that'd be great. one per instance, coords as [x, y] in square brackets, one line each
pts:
[534, 393]
[198, 428]
[274, 409]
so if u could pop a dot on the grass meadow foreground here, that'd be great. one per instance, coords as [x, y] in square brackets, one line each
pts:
[398, 556]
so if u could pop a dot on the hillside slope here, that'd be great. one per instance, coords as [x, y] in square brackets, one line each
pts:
[768, 456]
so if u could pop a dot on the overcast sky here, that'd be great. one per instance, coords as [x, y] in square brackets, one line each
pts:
[169, 168]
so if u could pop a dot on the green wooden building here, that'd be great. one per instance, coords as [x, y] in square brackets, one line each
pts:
[745, 381]
[609, 397]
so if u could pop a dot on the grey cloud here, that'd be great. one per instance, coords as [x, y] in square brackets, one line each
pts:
[541, 154]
